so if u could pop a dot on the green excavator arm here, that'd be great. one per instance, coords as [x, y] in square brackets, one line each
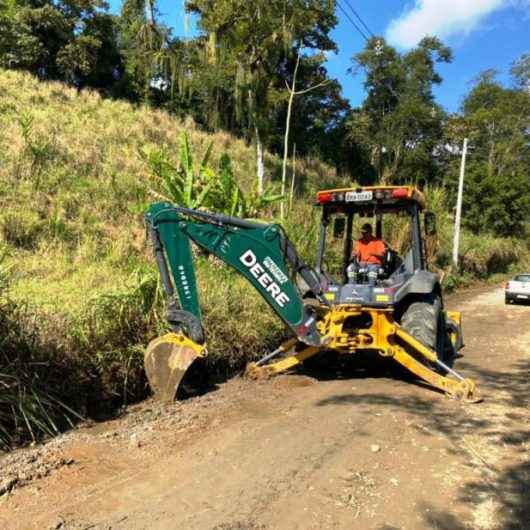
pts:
[260, 252]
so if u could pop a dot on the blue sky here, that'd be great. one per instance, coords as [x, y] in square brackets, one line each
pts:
[483, 34]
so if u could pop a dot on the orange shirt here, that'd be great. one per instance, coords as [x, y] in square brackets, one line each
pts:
[365, 249]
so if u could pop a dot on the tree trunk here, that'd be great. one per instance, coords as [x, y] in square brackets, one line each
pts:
[291, 195]
[380, 167]
[292, 92]
[491, 154]
[259, 161]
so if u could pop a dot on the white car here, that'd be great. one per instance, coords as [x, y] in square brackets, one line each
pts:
[518, 289]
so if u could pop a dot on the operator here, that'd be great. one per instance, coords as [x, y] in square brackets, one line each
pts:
[369, 250]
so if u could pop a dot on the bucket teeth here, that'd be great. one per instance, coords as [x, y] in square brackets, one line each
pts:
[166, 361]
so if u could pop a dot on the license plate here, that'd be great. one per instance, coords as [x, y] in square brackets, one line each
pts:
[522, 296]
[356, 196]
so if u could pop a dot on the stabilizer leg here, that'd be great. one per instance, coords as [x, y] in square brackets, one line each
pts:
[459, 388]
[260, 371]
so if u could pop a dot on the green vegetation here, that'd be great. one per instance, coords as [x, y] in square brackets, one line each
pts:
[83, 295]
[400, 123]
[495, 119]
[196, 121]
[207, 187]
[234, 77]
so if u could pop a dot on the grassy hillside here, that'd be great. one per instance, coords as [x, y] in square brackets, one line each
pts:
[80, 296]
[74, 182]
[83, 295]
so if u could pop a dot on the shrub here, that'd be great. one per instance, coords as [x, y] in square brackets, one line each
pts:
[496, 204]
[30, 381]
[23, 229]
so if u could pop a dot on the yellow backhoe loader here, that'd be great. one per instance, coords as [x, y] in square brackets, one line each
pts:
[384, 302]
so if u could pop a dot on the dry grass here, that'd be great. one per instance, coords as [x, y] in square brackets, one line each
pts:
[74, 184]
[83, 288]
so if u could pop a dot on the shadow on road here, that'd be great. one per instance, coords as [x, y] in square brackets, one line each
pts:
[510, 493]
[501, 420]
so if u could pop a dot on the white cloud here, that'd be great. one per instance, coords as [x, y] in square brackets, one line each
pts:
[442, 18]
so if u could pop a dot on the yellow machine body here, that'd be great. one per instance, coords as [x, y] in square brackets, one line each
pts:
[320, 321]
[348, 329]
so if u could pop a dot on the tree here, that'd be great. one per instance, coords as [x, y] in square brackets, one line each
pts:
[153, 57]
[69, 40]
[318, 115]
[133, 18]
[292, 93]
[18, 47]
[495, 119]
[498, 204]
[400, 123]
[521, 72]
[256, 37]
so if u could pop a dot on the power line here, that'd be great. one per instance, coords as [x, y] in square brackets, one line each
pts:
[359, 18]
[353, 22]
[378, 42]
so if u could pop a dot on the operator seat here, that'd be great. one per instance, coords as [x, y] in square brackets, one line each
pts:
[391, 262]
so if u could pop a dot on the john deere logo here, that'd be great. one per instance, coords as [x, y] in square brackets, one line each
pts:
[264, 279]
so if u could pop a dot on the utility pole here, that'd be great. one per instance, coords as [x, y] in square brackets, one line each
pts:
[456, 241]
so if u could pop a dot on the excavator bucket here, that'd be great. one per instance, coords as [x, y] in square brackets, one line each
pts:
[166, 361]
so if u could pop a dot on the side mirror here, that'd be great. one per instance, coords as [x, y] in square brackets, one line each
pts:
[430, 223]
[339, 225]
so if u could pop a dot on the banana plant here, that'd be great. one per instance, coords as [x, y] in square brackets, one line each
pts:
[257, 202]
[228, 197]
[181, 184]
[204, 187]
[232, 200]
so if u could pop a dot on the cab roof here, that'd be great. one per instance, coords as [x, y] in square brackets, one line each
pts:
[372, 195]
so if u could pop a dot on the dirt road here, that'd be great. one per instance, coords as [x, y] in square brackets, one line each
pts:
[354, 450]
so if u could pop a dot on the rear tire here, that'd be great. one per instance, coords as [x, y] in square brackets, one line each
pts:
[425, 321]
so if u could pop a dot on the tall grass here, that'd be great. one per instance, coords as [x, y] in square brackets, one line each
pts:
[76, 173]
[29, 402]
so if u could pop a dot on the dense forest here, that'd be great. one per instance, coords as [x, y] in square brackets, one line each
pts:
[257, 70]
